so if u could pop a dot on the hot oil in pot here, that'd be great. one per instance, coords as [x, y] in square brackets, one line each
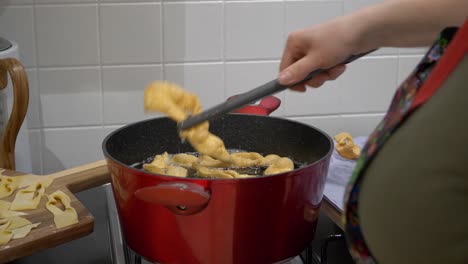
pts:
[192, 173]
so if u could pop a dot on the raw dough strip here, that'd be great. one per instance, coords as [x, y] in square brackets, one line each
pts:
[28, 198]
[15, 228]
[62, 218]
[8, 185]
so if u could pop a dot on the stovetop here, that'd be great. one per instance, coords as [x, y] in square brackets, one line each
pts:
[121, 253]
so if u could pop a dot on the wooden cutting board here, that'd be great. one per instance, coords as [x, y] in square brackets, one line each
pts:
[46, 235]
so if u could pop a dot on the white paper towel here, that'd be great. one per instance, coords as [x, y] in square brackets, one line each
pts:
[22, 149]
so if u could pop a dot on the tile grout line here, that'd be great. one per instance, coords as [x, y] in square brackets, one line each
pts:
[283, 39]
[99, 50]
[163, 46]
[41, 123]
[223, 46]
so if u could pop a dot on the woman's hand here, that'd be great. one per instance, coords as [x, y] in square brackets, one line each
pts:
[318, 47]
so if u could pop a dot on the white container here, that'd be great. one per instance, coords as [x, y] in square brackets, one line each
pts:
[23, 148]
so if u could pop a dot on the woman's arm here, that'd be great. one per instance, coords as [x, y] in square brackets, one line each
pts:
[397, 23]
[404, 23]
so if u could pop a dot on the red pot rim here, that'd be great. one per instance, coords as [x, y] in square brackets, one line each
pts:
[169, 177]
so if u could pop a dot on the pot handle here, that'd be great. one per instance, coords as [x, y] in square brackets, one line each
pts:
[266, 106]
[20, 86]
[182, 198]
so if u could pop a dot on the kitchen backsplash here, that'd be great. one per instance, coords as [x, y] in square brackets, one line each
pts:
[89, 61]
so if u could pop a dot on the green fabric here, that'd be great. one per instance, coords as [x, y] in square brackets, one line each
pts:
[414, 196]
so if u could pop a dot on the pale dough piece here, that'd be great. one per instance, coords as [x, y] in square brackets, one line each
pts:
[7, 185]
[5, 237]
[7, 213]
[184, 160]
[62, 218]
[17, 222]
[4, 223]
[28, 198]
[346, 147]
[22, 232]
[4, 205]
[280, 165]
[27, 180]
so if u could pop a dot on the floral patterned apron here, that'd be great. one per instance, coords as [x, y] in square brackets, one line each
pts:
[422, 83]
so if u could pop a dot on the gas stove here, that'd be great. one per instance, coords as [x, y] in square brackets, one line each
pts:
[122, 254]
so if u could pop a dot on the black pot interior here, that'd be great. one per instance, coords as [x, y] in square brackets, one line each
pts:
[267, 135]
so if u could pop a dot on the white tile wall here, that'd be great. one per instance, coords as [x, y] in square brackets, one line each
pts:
[242, 76]
[88, 62]
[130, 33]
[205, 80]
[123, 88]
[66, 35]
[244, 21]
[22, 32]
[193, 32]
[70, 97]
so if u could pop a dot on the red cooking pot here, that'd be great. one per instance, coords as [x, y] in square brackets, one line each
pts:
[263, 220]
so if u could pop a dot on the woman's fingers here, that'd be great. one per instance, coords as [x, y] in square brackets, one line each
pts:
[321, 78]
[331, 74]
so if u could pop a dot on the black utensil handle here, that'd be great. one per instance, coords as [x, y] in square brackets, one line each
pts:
[240, 100]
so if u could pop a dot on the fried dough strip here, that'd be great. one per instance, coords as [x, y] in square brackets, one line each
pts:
[160, 165]
[280, 165]
[178, 104]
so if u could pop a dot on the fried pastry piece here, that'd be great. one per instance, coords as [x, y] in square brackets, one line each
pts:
[206, 143]
[160, 165]
[246, 159]
[269, 159]
[215, 173]
[176, 171]
[184, 160]
[346, 147]
[207, 161]
[280, 165]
